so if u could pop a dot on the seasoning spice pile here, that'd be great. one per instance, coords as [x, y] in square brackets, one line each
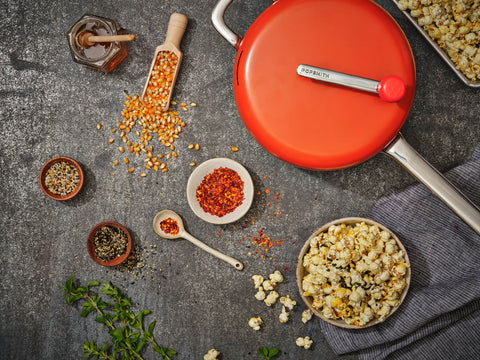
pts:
[62, 178]
[220, 192]
[255, 234]
[169, 226]
[109, 242]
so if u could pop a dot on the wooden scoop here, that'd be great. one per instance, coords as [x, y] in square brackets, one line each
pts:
[86, 39]
[176, 29]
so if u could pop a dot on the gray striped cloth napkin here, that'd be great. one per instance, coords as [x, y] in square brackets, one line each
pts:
[440, 317]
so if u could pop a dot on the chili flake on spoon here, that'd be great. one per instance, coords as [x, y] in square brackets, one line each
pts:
[220, 192]
[169, 226]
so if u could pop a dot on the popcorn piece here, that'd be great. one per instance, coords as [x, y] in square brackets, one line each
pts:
[260, 295]
[271, 298]
[283, 315]
[288, 302]
[306, 316]
[257, 280]
[276, 277]
[211, 355]
[255, 323]
[268, 285]
[305, 342]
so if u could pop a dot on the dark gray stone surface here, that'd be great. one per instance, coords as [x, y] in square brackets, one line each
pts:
[50, 107]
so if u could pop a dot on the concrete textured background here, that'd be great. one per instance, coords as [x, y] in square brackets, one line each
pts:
[50, 107]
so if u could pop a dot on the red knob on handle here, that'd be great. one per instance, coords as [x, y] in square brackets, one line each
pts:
[391, 88]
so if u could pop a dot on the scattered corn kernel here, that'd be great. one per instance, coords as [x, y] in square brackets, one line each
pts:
[193, 104]
[126, 160]
[130, 170]
[115, 162]
[193, 163]
[110, 141]
[143, 174]
[99, 126]
[234, 149]
[190, 146]
[121, 149]
[197, 147]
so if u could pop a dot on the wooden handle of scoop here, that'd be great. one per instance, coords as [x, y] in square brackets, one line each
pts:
[112, 38]
[176, 29]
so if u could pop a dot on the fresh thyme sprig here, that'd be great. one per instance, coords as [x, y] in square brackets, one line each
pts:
[125, 328]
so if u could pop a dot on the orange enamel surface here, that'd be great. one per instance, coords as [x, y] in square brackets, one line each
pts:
[312, 124]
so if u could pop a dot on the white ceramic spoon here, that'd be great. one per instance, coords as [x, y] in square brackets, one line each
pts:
[165, 214]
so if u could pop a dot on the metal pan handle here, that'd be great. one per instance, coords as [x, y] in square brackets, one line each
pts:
[218, 23]
[401, 151]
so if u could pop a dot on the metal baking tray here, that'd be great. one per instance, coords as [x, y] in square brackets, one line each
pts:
[443, 54]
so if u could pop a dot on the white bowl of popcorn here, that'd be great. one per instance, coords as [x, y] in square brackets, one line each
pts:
[353, 273]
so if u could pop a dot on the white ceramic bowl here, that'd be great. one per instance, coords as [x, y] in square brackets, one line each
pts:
[206, 168]
[301, 272]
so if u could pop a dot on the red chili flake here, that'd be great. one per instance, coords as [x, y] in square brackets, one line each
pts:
[219, 233]
[267, 191]
[287, 268]
[169, 226]
[220, 192]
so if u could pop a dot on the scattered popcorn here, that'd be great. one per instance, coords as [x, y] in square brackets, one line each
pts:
[305, 342]
[283, 315]
[271, 298]
[211, 355]
[306, 316]
[288, 302]
[268, 285]
[255, 323]
[260, 295]
[276, 277]
[257, 280]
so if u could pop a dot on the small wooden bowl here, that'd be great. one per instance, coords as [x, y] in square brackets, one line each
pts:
[43, 173]
[91, 246]
[301, 272]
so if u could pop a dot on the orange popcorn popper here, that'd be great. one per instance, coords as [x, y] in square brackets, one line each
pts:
[327, 84]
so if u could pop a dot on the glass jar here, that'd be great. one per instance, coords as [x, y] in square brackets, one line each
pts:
[100, 56]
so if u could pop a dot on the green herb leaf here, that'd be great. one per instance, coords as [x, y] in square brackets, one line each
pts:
[263, 352]
[69, 284]
[87, 310]
[266, 354]
[93, 283]
[151, 327]
[273, 352]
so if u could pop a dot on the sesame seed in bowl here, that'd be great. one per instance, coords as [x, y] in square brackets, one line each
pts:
[61, 178]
